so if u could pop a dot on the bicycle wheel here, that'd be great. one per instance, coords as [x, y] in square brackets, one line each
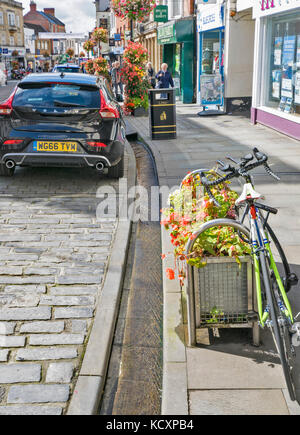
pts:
[279, 327]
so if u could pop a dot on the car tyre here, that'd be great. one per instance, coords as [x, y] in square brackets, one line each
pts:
[6, 172]
[117, 171]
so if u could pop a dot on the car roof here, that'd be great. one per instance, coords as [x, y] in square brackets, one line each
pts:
[59, 78]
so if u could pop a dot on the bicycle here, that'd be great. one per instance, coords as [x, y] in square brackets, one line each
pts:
[274, 309]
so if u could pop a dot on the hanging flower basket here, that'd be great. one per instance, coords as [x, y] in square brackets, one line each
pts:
[100, 35]
[88, 45]
[89, 66]
[133, 9]
[101, 67]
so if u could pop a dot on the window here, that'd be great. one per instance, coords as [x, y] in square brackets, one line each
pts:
[3, 39]
[48, 95]
[11, 40]
[18, 20]
[19, 39]
[11, 19]
[282, 90]
[1, 18]
[175, 8]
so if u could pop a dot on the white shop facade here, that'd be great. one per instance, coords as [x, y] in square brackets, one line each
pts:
[276, 67]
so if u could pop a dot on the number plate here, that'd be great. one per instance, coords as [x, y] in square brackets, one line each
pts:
[65, 147]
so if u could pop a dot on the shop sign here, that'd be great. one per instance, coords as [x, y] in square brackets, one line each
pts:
[263, 8]
[117, 36]
[111, 42]
[210, 17]
[166, 34]
[161, 13]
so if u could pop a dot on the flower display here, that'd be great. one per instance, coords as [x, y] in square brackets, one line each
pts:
[133, 9]
[88, 45]
[101, 67]
[134, 77]
[89, 66]
[100, 35]
[190, 207]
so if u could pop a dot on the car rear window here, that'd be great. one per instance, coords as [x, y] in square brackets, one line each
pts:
[67, 69]
[50, 95]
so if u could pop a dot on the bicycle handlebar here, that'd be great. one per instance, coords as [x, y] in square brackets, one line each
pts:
[243, 168]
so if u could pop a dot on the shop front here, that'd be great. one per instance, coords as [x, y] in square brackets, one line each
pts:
[276, 88]
[177, 40]
[225, 57]
[210, 28]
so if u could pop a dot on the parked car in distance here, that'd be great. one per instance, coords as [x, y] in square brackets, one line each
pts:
[69, 120]
[66, 68]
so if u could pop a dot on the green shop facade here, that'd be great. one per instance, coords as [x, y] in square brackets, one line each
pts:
[178, 41]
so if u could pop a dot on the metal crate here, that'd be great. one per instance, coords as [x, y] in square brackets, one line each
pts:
[223, 292]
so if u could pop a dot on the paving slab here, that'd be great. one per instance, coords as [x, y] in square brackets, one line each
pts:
[230, 367]
[238, 402]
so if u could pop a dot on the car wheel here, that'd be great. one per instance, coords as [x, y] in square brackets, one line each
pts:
[117, 171]
[6, 172]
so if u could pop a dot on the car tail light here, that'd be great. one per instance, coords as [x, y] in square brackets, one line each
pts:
[107, 111]
[13, 142]
[96, 144]
[6, 106]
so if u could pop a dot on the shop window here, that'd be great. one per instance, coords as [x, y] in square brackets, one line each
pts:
[212, 52]
[282, 91]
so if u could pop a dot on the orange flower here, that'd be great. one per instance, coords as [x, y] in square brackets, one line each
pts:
[170, 273]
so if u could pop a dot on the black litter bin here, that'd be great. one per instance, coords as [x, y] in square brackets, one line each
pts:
[162, 114]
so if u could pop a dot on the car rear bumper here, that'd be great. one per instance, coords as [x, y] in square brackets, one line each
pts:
[54, 159]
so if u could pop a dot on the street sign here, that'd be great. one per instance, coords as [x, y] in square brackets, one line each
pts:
[117, 37]
[111, 42]
[161, 13]
[5, 50]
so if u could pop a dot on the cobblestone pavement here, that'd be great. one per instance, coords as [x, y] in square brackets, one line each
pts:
[53, 258]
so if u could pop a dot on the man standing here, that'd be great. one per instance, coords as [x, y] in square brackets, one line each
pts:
[116, 79]
[164, 78]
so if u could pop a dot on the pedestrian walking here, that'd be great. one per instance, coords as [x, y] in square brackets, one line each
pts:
[150, 74]
[117, 81]
[164, 78]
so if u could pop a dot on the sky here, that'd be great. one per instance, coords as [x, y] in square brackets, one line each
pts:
[78, 15]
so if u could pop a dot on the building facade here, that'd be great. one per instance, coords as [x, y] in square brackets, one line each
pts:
[47, 22]
[12, 33]
[276, 69]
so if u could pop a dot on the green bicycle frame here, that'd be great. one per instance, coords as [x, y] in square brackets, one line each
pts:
[263, 243]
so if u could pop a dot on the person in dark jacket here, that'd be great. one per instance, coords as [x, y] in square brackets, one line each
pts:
[164, 78]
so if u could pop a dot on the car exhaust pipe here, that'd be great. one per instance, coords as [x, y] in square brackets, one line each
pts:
[10, 164]
[99, 166]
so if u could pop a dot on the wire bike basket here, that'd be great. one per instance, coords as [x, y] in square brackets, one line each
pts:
[221, 294]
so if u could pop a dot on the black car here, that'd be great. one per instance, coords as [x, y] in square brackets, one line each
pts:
[62, 120]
